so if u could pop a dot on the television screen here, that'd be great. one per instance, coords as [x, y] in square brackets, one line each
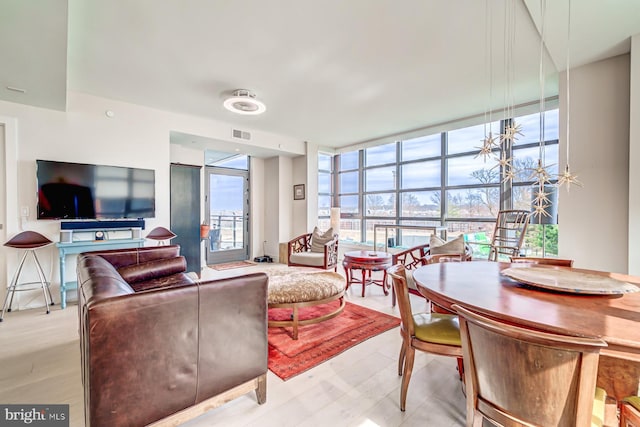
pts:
[84, 191]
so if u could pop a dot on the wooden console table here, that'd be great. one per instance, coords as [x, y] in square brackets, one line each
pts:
[65, 249]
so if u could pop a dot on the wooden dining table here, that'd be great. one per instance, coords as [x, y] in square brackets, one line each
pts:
[480, 286]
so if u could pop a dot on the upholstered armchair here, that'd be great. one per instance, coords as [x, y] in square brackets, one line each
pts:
[315, 249]
[428, 253]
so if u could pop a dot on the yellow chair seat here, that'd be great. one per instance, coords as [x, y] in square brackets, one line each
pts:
[633, 401]
[597, 415]
[437, 328]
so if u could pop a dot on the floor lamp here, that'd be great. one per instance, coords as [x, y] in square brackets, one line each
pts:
[551, 210]
[335, 220]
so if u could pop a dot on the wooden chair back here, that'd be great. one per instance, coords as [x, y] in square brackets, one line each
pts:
[399, 278]
[411, 258]
[509, 232]
[434, 259]
[420, 255]
[559, 262]
[516, 376]
[629, 415]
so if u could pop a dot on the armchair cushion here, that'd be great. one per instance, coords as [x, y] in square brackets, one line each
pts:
[633, 401]
[319, 239]
[314, 259]
[438, 246]
[437, 328]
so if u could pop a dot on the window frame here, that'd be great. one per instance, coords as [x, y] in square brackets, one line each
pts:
[504, 188]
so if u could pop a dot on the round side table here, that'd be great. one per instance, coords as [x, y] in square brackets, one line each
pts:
[367, 262]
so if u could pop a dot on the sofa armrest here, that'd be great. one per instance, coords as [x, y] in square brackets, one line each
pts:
[331, 253]
[233, 332]
[301, 243]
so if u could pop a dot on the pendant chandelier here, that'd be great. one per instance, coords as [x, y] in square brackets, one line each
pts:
[567, 178]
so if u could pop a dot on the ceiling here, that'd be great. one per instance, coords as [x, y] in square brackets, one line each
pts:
[333, 72]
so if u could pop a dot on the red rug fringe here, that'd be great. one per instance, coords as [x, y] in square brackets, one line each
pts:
[320, 342]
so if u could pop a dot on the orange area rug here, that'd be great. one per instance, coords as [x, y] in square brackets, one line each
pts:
[320, 342]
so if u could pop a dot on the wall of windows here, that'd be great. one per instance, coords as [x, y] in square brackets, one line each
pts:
[439, 179]
[325, 189]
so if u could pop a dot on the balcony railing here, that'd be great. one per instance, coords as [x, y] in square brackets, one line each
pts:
[227, 232]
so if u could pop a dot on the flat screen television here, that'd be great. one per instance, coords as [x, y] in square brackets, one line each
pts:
[85, 191]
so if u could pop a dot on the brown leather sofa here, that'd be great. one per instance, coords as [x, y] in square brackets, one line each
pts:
[157, 345]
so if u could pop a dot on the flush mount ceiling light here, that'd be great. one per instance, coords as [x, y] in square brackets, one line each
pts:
[244, 102]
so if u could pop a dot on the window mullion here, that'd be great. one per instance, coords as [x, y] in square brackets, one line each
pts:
[443, 177]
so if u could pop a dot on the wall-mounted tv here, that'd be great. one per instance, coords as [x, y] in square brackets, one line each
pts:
[85, 191]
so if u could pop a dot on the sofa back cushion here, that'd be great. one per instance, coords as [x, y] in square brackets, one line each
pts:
[98, 279]
[123, 257]
[153, 269]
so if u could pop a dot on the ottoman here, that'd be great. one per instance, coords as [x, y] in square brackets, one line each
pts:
[296, 288]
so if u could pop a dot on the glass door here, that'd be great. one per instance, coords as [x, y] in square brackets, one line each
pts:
[227, 208]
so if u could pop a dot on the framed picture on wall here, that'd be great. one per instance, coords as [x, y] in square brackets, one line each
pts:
[298, 192]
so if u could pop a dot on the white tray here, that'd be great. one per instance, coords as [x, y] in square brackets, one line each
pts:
[572, 281]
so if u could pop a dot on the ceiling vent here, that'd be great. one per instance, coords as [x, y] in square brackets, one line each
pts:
[240, 134]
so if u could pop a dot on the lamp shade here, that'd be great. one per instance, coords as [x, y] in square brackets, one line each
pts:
[551, 209]
[335, 220]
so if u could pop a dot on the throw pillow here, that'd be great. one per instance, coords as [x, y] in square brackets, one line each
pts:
[319, 239]
[438, 246]
[153, 269]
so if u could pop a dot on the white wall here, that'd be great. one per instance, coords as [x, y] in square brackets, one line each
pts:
[257, 217]
[271, 211]
[285, 199]
[593, 220]
[299, 215]
[279, 206]
[136, 137]
[312, 185]
[634, 158]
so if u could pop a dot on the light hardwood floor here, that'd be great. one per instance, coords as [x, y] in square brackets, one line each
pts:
[40, 363]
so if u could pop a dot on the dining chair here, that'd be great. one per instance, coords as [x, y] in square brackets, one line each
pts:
[521, 377]
[508, 234]
[559, 262]
[630, 412]
[419, 255]
[435, 333]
